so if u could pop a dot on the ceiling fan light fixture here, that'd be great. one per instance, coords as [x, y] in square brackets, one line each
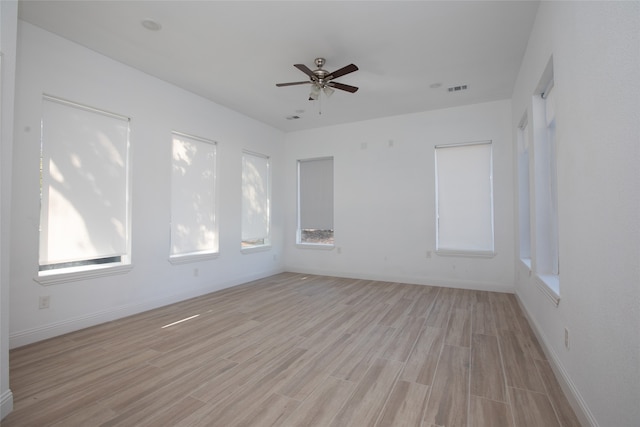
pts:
[328, 91]
[315, 92]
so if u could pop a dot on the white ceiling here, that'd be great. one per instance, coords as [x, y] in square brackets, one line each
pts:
[233, 52]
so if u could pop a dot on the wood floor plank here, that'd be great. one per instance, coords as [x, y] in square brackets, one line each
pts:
[398, 310]
[297, 350]
[366, 402]
[421, 364]
[483, 320]
[322, 405]
[449, 396]
[172, 414]
[424, 302]
[91, 415]
[439, 314]
[531, 409]
[316, 370]
[272, 412]
[232, 379]
[402, 343]
[354, 366]
[248, 398]
[519, 366]
[487, 375]
[459, 328]
[529, 341]
[558, 400]
[405, 406]
[489, 413]
[503, 310]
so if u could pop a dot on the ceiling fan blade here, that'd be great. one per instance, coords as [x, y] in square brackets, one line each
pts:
[342, 71]
[293, 83]
[342, 86]
[306, 70]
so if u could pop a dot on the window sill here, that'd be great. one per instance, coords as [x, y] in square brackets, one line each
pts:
[549, 284]
[252, 249]
[320, 246]
[463, 253]
[195, 257]
[74, 274]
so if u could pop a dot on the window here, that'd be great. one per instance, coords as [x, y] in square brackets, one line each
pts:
[464, 199]
[524, 207]
[256, 197]
[85, 188]
[547, 259]
[315, 201]
[544, 200]
[193, 183]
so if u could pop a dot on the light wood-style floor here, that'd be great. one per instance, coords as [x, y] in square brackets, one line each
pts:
[298, 350]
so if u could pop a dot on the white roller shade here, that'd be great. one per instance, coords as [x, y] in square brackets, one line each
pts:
[84, 210]
[316, 194]
[464, 197]
[255, 197]
[193, 222]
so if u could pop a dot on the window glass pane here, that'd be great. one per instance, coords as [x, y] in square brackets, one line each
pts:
[464, 197]
[84, 209]
[255, 199]
[193, 225]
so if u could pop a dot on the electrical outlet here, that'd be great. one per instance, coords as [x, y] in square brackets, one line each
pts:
[566, 338]
[43, 302]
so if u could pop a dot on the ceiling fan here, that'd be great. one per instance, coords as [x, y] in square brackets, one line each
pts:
[322, 80]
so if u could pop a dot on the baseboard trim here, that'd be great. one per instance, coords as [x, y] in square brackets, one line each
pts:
[6, 403]
[430, 281]
[577, 402]
[30, 336]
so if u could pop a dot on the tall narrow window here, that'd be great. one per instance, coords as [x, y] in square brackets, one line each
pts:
[315, 201]
[524, 210]
[85, 214]
[547, 259]
[193, 190]
[464, 199]
[256, 195]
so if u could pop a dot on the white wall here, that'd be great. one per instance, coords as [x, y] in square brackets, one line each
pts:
[52, 65]
[596, 49]
[384, 200]
[8, 24]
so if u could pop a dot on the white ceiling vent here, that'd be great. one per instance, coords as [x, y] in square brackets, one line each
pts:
[457, 88]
